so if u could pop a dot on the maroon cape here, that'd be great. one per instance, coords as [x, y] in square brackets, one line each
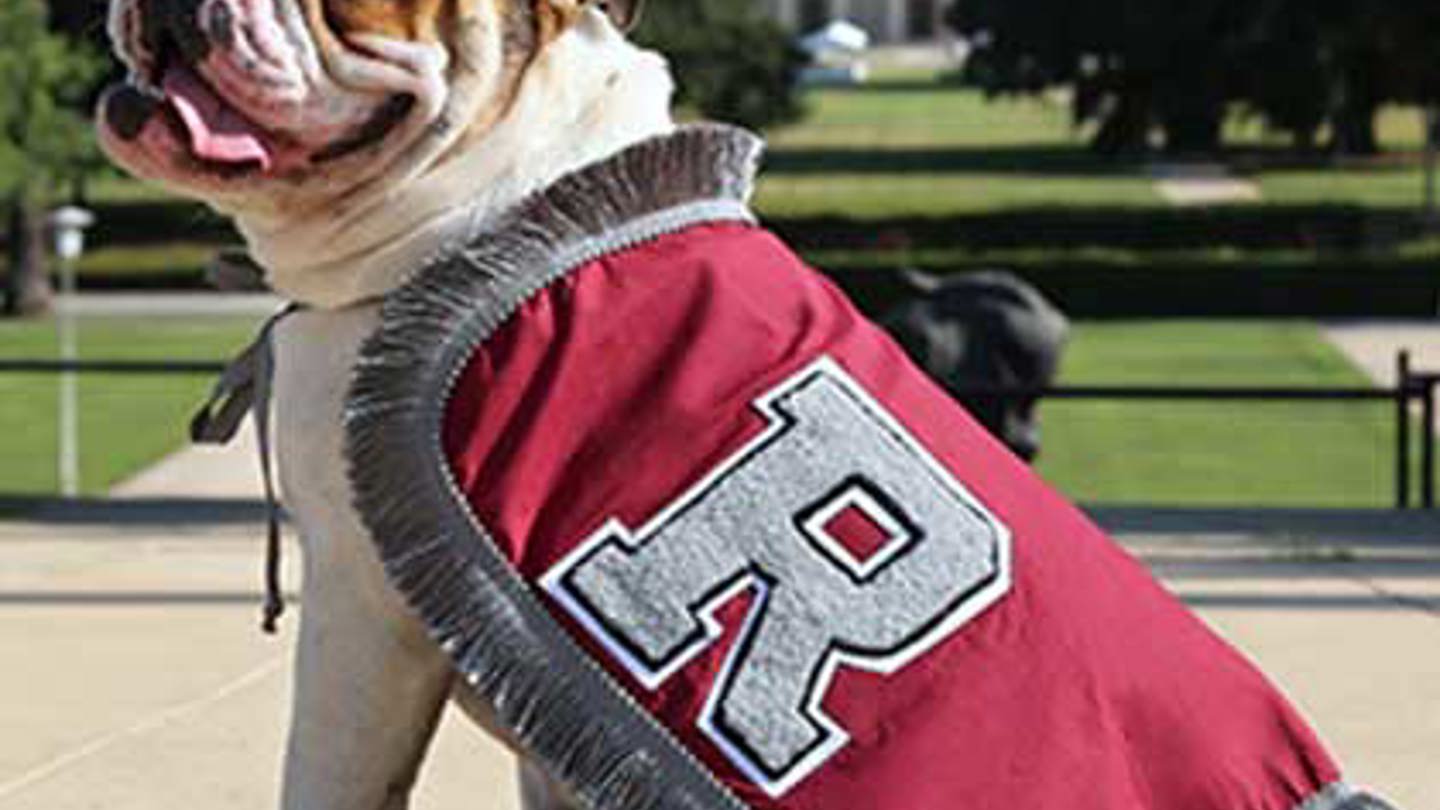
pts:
[1081, 684]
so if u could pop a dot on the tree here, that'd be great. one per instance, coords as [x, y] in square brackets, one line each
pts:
[1133, 67]
[45, 139]
[731, 62]
[1136, 67]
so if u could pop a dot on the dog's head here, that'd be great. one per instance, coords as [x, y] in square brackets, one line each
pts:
[284, 104]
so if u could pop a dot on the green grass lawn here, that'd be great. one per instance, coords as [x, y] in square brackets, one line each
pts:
[126, 421]
[1380, 186]
[916, 148]
[908, 146]
[1222, 453]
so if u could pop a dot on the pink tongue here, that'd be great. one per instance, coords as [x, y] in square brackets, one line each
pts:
[217, 132]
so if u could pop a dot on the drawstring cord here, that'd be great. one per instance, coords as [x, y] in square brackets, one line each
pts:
[244, 388]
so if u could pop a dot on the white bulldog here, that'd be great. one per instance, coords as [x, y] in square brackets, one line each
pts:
[349, 140]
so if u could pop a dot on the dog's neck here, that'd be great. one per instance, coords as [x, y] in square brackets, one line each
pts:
[587, 95]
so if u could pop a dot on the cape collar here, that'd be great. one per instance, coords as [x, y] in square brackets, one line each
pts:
[696, 173]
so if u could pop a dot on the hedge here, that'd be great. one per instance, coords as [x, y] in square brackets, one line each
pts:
[1361, 288]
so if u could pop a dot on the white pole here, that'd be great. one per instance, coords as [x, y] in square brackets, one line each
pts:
[69, 386]
[67, 226]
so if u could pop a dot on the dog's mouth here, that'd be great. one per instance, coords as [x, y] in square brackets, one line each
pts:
[169, 105]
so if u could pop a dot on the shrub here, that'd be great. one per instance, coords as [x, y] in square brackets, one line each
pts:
[731, 62]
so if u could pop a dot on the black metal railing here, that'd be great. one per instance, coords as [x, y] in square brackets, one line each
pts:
[137, 367]
[1414, 387]
[1413, 395]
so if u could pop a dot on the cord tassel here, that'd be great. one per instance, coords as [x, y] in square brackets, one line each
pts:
[244, 388]
[264, 374]
[274, 600]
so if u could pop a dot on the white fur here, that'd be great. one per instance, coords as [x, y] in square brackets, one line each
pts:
[587, 94]
[369, 684]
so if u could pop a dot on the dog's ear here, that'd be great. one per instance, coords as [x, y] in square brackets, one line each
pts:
[624, 13]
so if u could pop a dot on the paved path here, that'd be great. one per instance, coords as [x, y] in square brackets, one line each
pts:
[135, 678]
[1198, 184]
[141, 681]
[1372, 345]
[232, 471]
[163, 304]
[1351, 633]
[144, 681]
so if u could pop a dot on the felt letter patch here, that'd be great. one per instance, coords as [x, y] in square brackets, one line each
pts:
[859, 548]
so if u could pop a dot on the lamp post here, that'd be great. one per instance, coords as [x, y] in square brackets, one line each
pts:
[67, 227]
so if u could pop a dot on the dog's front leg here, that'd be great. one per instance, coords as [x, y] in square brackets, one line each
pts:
[369, 683]
[369, 689]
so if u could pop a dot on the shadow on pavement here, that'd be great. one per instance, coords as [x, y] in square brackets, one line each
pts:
[134, 512]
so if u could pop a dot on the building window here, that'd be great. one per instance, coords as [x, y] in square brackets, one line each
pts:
[921, 14]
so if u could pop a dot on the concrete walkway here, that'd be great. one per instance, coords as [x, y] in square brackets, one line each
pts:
[136, 678]
[1198, 184]
[142, 679]
[165, 304]
[1350, 632]
[232, 471]
[1372, 345]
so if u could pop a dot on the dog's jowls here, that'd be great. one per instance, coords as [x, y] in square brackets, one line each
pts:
[350, 139]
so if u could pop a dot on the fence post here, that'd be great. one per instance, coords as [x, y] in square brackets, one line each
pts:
[1402, 430]
[1427, 435]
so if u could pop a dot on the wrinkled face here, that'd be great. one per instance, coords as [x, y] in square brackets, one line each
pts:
[283, 103]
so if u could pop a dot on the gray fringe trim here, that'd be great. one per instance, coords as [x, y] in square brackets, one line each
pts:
[563, 707]
[1341, 796]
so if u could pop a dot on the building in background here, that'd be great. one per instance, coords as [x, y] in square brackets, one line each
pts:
[887, 21]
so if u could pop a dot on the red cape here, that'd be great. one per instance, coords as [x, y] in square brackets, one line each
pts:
[1081, 684]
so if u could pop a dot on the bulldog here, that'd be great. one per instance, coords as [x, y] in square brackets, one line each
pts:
[570, 438]
[348, 140]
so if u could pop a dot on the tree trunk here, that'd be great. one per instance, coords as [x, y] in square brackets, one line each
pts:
[1192, 110]
[27, 286]
[1125, 132]
[1355, 130]
[1303, 140]
[1355, 116]
[1193, 132]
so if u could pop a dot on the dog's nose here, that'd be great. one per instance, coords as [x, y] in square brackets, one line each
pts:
[128, 110]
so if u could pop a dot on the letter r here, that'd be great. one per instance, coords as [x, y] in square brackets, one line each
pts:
[773, 519]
